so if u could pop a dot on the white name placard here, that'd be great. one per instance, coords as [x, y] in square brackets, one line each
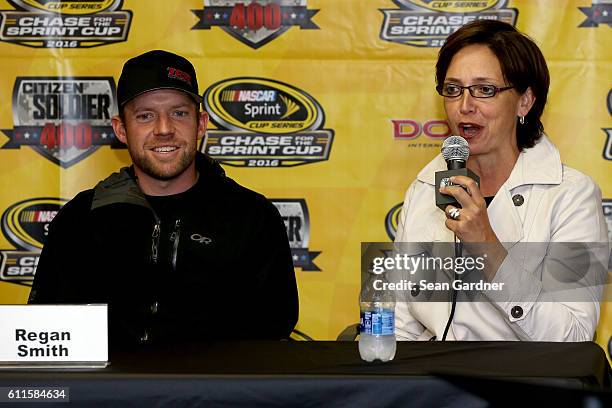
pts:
[54, 335]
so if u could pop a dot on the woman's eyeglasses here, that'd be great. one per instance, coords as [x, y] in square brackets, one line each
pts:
[477, 91]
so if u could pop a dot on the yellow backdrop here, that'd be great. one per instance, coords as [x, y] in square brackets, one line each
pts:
[362, 70]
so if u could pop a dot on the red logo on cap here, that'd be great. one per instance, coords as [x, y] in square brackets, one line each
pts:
[178, 74]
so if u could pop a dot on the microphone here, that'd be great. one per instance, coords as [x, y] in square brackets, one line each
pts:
[455, 151]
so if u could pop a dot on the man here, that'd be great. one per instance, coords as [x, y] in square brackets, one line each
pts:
[179, 251]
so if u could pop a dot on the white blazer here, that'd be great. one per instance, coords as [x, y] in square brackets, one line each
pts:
[552, 203]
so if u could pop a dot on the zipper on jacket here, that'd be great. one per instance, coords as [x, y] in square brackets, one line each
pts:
[155, 242]
[174, 238]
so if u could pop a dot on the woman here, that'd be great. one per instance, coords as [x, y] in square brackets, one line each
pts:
[494, 81]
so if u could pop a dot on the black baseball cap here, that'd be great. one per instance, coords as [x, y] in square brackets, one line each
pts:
[154, 70]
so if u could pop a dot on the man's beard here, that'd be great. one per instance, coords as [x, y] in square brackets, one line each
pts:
[161, 171]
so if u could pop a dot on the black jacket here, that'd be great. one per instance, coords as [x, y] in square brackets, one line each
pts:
[221, 269]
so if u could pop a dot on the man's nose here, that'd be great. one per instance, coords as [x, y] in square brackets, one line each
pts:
[163, 125]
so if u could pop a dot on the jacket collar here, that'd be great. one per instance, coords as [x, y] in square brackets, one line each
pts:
[122, 188]
[540, 164]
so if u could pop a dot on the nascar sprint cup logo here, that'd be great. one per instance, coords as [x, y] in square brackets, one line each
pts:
[25, 225]
[392, 220]
[63, 119]
[294, 213]
[255, 22]
[65, 24]
[264, 123]
[427, 23]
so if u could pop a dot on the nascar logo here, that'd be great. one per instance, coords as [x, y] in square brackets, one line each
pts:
[65, 24]
[427, 23]
[264, 123]
[26, 224]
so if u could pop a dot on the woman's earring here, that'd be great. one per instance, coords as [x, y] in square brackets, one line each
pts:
[522, 120]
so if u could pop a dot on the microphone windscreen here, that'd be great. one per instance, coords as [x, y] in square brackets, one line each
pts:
[455, 148]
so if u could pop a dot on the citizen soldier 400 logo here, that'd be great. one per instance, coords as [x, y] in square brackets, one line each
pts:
[63, 119]
[294, 213]
[25, 224]
[427, 23]
[65, 24]
[255, 22]
[600, 12]
[264, 123]
[608, 146]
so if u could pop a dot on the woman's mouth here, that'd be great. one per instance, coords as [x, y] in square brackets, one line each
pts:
[469, 130]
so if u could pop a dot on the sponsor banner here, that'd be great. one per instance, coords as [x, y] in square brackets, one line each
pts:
[25, 225]
[294, 213]
[427, 23]
[255, 22]
[65, 24]
[264, 123]
[392, 220]
[600, 12]
[63, 119]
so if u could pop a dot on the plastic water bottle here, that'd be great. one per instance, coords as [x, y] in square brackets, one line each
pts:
[377, 323]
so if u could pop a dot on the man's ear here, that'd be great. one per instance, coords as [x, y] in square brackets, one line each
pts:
[202, 124]
[526, 101]
[119, 128]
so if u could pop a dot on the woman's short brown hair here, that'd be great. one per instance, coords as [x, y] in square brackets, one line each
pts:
[522, 64]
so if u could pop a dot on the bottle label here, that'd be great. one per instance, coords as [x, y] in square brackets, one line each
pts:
[381, 322]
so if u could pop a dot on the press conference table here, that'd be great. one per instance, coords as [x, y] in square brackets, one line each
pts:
[291, 373]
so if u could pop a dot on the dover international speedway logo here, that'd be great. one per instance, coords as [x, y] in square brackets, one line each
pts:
[264, 123]
[25, 225]
[65, 24]
[63, 119]
[255, 22]
[427, 23]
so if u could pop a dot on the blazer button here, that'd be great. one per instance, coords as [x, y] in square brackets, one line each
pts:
[516, 312]
[415, 291]
[154, 307]
[518, 200]
[145, 337]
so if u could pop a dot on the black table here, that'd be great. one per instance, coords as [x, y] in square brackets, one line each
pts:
[332, 374]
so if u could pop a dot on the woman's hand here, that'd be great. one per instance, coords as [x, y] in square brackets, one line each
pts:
[472, 225]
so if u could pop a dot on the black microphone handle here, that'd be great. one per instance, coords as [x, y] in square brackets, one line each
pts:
[455, 164]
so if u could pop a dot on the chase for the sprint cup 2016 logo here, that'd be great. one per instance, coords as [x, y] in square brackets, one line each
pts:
[600, 12]
[392, 220]
[294, 213]
[427, 23]
[25, 225]
[255, 22]
[264, 123]
[63, 119]
[607, 153]
[65, 24]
